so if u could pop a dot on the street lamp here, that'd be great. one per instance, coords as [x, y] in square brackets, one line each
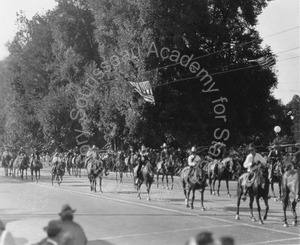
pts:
[277, 130]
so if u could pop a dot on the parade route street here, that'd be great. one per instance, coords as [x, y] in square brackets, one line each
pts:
[118, 217]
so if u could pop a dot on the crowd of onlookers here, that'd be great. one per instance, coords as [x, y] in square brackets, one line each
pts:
[64, 231]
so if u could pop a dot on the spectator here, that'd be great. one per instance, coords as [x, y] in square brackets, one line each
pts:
[53, 230]
[72, 233]
[203, 238]
[6, 237]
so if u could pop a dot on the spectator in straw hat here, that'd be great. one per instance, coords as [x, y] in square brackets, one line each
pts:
[6, 237]
[71, 231]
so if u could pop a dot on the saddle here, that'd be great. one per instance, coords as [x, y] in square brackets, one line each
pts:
[250, 179]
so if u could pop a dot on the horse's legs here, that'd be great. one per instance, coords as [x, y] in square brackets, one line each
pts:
[267, 206]
[227, 186]
[210, 182]
[172, 178]
[193, 199]
[239, 194]
[187, 203]
[258, 210]
[202, 199]
[272, 188]
[139, 190]
[251, 207]
[167, 179]
[157, 178]
[100, 184]
[294, 203]
[121, 176]
[219, 184]
[279, 187]
[148, 190]
[185, 193]
[214, 182]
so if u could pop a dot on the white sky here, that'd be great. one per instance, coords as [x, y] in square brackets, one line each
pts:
[280, 15]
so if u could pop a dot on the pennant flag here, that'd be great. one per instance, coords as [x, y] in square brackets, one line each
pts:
[265, 61]
[145, 90]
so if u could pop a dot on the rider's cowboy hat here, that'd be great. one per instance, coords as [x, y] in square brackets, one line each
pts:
[251, 147]
[66, 209]
[193, 149]
[164, 145]
[53, 227]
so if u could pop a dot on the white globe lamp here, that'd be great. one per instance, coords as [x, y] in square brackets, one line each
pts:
[277, 129]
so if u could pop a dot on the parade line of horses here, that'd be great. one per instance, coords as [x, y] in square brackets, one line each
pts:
[204, 175]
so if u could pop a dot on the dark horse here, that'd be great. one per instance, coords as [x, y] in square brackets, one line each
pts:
[58, 171]
[168, 169]
[95, 169]
[120, 165]
[259, 189]
[146, 176]
[276, 170]
[35, 168]
[220, 171]
[77, 164]
[290, 185]
[24, 164]
[198, 183]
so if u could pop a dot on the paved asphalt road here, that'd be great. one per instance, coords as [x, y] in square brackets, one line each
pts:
[118, 217]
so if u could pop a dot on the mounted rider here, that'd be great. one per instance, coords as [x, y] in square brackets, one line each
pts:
[250, 164]
[57, 163]
[217, 155]
[274, 156]
[91, 153]
[193, 159]
[164, 155]
[143, 156]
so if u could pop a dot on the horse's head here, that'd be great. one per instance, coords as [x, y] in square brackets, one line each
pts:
[228, 163]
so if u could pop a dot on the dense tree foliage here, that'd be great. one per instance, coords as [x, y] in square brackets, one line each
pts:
[66, 81]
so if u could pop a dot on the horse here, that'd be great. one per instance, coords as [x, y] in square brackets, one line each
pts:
[198, 182]
[130, 162]
[23, 166]
[69, 164]
[120, 165]
[290, 185]
[168, 169]
[14, 166]
[220, 171]
[259, 189]
[95, 169]
[6, 157]
[35, 168]
[78, 163]
[146, 176]
[58, 170]
[276, 170]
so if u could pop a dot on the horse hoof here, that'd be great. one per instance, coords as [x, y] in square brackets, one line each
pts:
[237, 217]
[148, 198]
[192, 207]
[187, 205]
[294, 223]
[285, 225]
[202, 209]
[261, 222]
[218, 194]
[253, 219]
[229, 195]
[139, 198]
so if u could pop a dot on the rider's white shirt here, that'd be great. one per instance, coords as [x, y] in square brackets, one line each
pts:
[193, 159]
[257, 158]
